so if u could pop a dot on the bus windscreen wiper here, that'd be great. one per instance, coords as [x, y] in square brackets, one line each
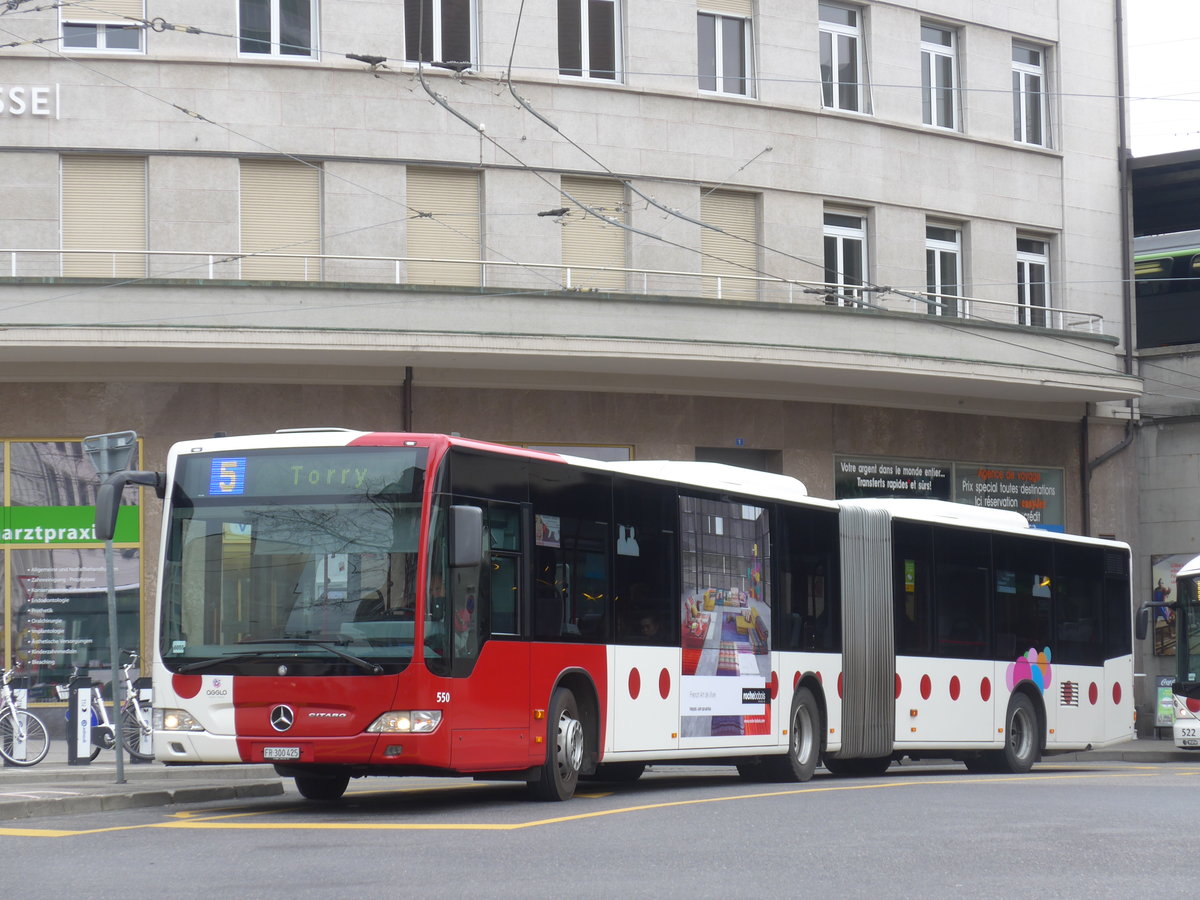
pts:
[365, 665]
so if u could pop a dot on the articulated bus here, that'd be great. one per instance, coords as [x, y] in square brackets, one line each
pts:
[1184, 610]
[342, 604]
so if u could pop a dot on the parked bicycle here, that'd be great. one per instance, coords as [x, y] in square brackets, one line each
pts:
[134, 716]
[24, 740]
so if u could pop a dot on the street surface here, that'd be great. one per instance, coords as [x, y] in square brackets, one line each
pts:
[1067, 829]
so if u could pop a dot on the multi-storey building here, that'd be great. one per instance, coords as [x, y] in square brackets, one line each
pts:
[873, 245]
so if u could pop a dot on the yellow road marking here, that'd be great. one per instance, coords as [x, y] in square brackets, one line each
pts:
[191, 821]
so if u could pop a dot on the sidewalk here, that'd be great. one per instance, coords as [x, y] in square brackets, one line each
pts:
[54, 788]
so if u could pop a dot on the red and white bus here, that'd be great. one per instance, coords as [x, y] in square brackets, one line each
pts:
[343, 604]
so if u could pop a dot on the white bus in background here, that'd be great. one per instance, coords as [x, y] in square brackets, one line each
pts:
[1184, 615]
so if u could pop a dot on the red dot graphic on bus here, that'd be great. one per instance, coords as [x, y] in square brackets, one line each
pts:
[796, 680]
[1093, 693]
[774, 685]
[635, 683]
[1117, 693]
[1193, 704]
[955, 687]
[897, 685]
[926, 687]
[664, 684]
[985, 689]
[840, 685]
[187, 686]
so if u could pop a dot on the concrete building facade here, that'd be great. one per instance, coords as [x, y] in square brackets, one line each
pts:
[790, 234]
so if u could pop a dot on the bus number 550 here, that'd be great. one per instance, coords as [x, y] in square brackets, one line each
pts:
[443, 696]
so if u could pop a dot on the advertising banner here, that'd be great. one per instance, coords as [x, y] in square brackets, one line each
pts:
[1036, 493]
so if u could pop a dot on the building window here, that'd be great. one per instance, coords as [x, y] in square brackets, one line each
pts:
[593, 251]
[1033, 281]
[723, 50]
[588, 35]
[939, 77]
[730, 256]
[845, 258]
[104, 210]
[108, 26]
[446, 228]
[280, 220]
[842, 65]
[278, 27]
[439, 31]
[943, 270]
[1029, 95]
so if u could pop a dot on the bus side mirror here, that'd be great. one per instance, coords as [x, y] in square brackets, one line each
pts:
[1142, 623]
[466, 536]
[108, 498]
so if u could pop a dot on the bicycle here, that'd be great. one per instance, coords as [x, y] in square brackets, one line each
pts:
[24, 740]
[134, 716]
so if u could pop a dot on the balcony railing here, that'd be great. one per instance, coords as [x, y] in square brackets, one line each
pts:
[134, 265]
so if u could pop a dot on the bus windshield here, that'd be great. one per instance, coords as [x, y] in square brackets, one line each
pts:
[299, 557]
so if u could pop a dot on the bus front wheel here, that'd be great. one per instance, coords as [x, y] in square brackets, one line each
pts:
[325, 788]
[559, 774]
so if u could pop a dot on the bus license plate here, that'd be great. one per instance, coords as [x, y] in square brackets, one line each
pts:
[1191, 742]
[281, 752]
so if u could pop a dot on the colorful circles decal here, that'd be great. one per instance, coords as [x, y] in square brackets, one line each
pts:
[635, 683]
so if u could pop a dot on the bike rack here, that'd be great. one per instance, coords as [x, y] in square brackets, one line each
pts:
[79, 722]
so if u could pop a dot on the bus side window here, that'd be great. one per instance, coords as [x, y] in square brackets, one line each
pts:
[913, 583]
[646, 600]
[572, 597]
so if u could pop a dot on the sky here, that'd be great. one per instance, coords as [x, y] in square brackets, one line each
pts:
[1164, 75]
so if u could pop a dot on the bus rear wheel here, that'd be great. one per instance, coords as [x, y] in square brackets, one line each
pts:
[325, 788]
[559, 774]
[804, 745]
[1021, 744]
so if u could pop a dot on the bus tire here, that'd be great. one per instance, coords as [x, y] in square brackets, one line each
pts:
[565, 737]
[324, 788]
[1021, 742]
[804, 745]
[622, 772]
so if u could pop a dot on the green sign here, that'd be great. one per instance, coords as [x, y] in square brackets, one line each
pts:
[1164, 714]
[59, 525]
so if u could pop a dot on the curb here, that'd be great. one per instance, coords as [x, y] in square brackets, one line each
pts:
[25, 808]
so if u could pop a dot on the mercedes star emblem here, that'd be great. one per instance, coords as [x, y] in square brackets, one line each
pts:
[282, 718]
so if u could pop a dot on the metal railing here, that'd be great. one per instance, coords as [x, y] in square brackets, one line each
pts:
[134, 265]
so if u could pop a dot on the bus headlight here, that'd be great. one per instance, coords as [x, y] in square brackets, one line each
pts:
[407, 721]
[175, 720]
[1186, 708]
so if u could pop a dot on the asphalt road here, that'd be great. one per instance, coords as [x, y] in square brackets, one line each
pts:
[1070, 829]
